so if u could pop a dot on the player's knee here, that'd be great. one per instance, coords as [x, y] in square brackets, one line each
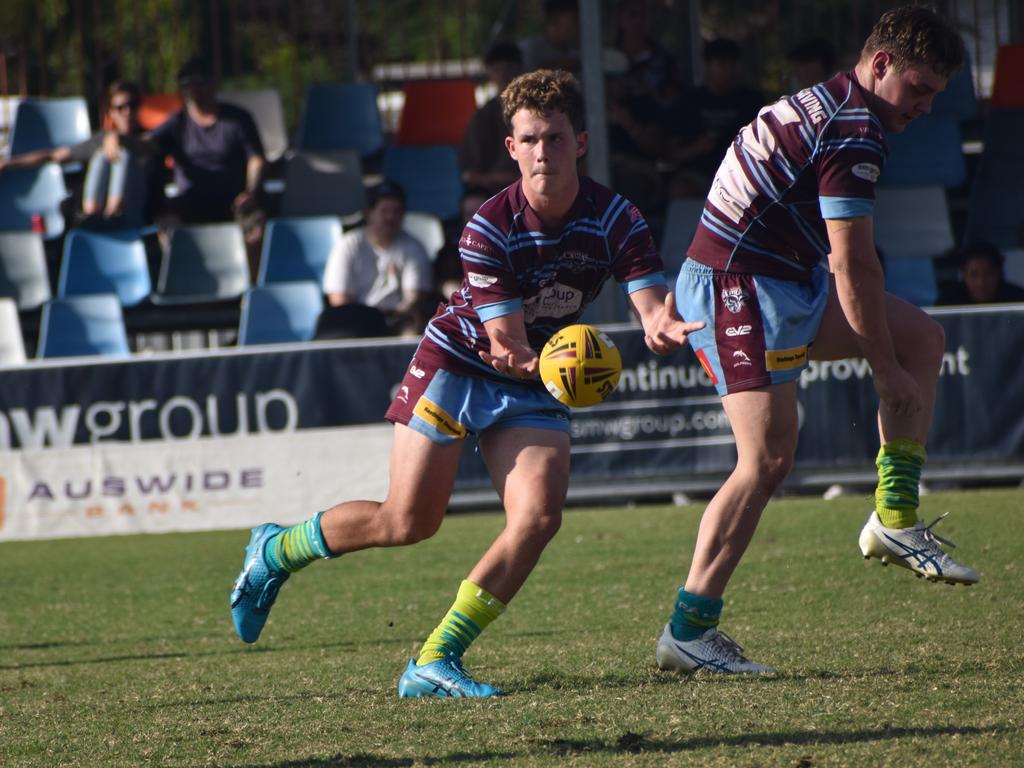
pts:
[924, 350]
[540, 526]
[408, 526]
[771, 468]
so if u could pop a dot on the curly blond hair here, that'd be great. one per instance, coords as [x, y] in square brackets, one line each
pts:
[543, 92]
[913, 35]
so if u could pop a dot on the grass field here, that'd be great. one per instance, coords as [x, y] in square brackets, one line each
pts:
[120, 652]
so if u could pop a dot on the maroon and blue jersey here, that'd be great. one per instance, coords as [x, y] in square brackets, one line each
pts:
[812, 156]
[512, 263]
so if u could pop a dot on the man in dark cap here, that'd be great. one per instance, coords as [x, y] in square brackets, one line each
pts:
[218, 157]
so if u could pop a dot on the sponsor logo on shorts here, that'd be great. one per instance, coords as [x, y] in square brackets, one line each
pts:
[403, 394]
[740, 358]
[437, 417]
[481, 281]
[419, 373]
[706, 366]
[785, 359]
[738, 330]
[866, 171]
[734, 299]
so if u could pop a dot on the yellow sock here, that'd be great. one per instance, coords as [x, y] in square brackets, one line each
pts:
[899, 472]
[474, 608]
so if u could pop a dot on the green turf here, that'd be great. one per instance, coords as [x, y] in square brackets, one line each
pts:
[120, 652]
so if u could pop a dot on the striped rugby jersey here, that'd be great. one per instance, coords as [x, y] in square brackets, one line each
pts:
[812, 156]
[510, 263]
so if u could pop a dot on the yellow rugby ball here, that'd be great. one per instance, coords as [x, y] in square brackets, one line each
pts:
[580, 366]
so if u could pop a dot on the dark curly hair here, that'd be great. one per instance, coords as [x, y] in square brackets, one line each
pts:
[914, 35]
[543, 92]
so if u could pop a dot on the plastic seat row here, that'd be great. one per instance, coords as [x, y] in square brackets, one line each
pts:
[94, 324]
[203, 263]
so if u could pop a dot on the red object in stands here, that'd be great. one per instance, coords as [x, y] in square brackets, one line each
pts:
[1008, 85]
[436, 112]
[157, 107]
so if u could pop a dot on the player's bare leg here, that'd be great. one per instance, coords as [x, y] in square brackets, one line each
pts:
[421, 482]
[893, 534]
[764, 422]
[530, 470]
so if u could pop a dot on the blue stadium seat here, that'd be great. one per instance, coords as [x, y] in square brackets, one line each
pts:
[323, 184]
[429, 176]
[83, 325]
[24, 276]
[49, 123]
[297, 249]
[340, 116]
[264, 104]
[996, 213]
[12, 346]
[29, 192]
[958, 99]
[278, 313]
[426, 228]
[912, 221]
[204, 262]
[929, 151]
[96, 262]
[912, 278]
[681, 219]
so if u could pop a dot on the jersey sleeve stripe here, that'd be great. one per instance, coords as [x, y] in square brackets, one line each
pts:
[499, 309]
[845, 207]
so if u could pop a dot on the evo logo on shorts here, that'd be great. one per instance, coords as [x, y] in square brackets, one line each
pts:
[438, 418]
[785, 359]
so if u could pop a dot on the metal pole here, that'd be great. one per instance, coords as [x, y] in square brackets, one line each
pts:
[591, 53]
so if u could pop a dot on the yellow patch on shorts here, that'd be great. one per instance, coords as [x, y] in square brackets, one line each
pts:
[784, 359]
[438, 418]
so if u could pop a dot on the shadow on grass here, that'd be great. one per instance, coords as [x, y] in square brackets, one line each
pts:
[635, 743]
[364, 760]
[189, 654]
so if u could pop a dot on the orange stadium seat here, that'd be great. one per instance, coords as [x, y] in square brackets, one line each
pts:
[1008, 87]
[157, 107]
[436, 112]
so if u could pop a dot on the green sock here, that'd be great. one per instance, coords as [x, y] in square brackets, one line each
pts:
[899, 474]
[694, 615]
[474, 608]
[296, 547]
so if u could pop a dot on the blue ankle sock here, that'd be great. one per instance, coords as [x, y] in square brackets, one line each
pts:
[694, 615]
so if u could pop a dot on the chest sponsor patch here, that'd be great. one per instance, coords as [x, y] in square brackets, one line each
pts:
[785, 359]
[478, 280]
[555, 300]
[867, 171]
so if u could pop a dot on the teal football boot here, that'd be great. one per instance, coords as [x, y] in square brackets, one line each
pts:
[443, 679]
[256, 587]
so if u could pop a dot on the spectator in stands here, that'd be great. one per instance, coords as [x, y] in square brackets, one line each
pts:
[218, 158]
[122, 175]
[653, 73]
[557, 47]
[487, 167]
[811, 62]
[382, 266]
[706, 119]
[982, 280]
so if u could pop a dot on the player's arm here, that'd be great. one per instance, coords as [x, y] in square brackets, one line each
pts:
[860, 287]
[664, 330]
[36, 158]
[510, 353]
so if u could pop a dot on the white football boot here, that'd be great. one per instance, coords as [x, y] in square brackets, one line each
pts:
[714, 651]
[915, 548]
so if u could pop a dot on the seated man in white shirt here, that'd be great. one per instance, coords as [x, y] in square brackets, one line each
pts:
[382, 266]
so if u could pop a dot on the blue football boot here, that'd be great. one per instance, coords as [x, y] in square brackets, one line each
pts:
[256, 586]
[443, 678]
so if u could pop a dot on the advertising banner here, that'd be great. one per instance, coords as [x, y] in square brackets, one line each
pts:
[234, 437]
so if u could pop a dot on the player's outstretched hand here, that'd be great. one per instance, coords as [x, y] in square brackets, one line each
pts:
[669, 330]
[510, 356]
